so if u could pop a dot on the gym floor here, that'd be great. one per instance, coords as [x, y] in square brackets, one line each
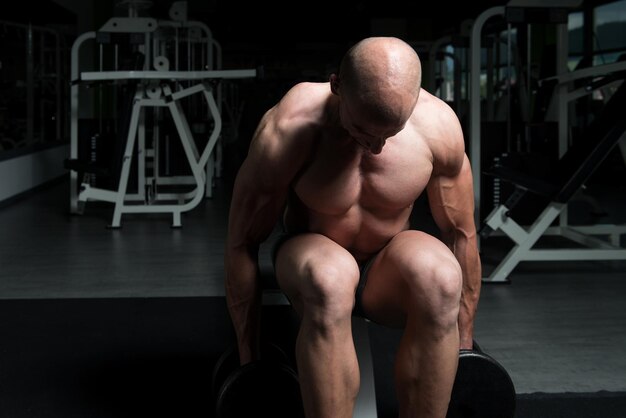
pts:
[97, 322]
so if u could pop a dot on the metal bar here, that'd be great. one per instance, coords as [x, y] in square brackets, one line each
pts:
[74, 96]
[586, 240]
[128, 154]
[595, 71]
[474, 108]
[574, 254]
[166, 75]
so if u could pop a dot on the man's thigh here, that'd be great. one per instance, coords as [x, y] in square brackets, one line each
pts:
[400, 276]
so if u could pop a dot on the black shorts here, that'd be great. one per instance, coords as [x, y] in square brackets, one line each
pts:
[363, 268]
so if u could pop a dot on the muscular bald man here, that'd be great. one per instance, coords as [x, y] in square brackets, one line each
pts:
[343, 162]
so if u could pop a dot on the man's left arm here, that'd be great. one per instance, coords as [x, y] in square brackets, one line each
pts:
[451, 199]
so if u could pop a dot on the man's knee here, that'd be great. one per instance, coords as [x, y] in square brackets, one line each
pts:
[436, 282]
[448, 279]
[328, 288]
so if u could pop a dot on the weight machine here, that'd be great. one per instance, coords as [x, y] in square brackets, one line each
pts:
[574, 163]
[158, 68]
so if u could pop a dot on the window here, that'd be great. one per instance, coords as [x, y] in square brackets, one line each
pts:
[609, 28]
[575, 39]
[599, 34]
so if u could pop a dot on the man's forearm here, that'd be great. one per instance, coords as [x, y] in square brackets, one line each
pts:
[243, 298]
[466, 252]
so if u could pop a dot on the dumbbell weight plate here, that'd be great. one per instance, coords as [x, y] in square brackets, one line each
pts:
[229, 361]
[261, 388]
[482, 388]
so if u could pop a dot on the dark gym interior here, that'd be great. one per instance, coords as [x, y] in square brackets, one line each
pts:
[112, 298]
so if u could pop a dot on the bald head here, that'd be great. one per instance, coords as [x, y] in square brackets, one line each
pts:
[382, 75]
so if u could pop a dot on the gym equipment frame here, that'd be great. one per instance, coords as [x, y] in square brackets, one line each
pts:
[574, 167]
[499, 221]
[156, 87]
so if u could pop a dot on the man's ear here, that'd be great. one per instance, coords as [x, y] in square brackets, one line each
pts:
[334, 83]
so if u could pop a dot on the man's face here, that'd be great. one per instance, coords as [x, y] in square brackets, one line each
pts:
[364, 129]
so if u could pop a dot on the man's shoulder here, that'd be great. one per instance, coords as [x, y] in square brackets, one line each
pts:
[441, 129]
[302, 107]
[430, 105]
[305, 97]
[295, 120]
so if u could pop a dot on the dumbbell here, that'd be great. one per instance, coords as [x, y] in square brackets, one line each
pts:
[266, 387]
[482, 388]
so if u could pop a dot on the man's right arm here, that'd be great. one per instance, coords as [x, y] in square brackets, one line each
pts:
[259, 196]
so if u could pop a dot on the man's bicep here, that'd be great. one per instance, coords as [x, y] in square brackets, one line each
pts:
[256, 204]
[261, 186]
[451, 200]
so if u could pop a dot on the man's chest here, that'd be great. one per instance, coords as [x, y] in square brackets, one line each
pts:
[339, 179]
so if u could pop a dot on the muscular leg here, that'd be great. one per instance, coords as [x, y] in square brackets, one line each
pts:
[320, 279]
[415, 283]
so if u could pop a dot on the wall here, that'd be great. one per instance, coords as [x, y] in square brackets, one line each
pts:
[20, 174]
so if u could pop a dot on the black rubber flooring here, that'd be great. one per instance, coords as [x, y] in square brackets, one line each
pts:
[153, 357]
